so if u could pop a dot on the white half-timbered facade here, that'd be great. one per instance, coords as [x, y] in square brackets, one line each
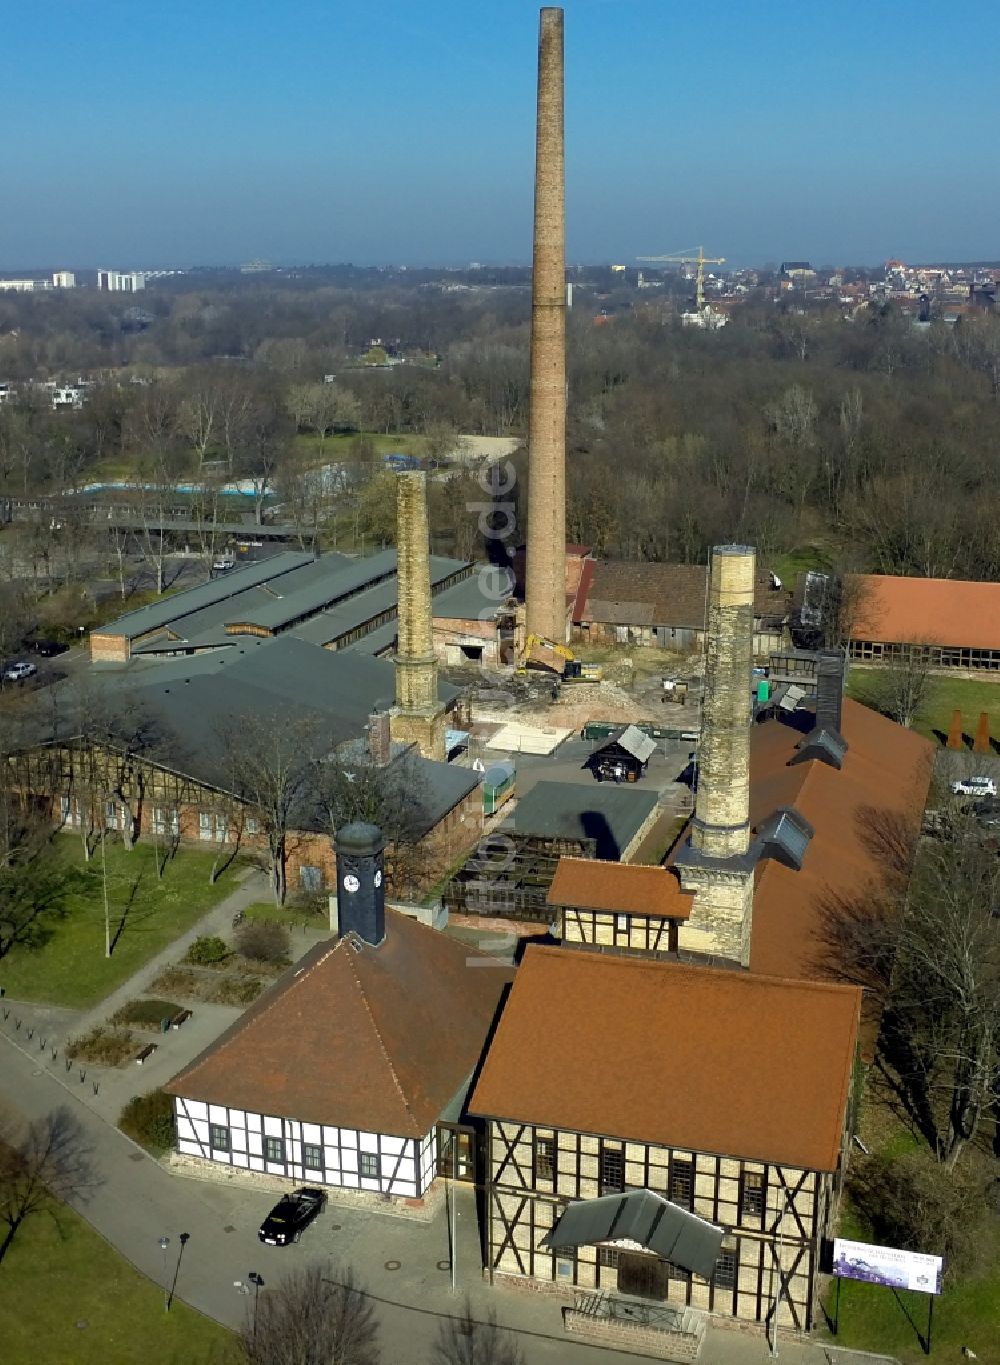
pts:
[311, 1153]
[341, 1073]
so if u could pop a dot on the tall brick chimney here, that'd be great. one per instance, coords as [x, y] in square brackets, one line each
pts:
[715, 864]
[545, 586]
[418, 716]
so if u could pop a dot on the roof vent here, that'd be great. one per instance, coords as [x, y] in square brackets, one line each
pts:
[784, 836]
[829, 746]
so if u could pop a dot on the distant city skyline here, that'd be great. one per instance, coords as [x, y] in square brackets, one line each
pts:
[307, 133]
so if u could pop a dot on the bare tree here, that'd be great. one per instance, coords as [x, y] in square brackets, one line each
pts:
[317, 1315]
[468, 1340]
[269, 768]
[900, 685]
[393, 796]
[932, 957]
[47, 1161]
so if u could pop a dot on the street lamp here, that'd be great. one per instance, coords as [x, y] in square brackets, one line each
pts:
[257, 1282]
[164, 1243]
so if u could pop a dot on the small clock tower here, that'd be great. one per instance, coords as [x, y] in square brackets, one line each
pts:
[361, 882]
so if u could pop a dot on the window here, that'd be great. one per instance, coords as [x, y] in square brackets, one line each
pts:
[545, 1158]
[752, 1194]
[218, 1137]
[221, 829]
[253, 824]
[205, 826]
[677, 1272]
[312, 1157]
[274, 1149]
[165, 820]
[681, 1182]
[608, 1257]
[725, 1268]
[310, 878]
[369, 1165]
[612, 1170]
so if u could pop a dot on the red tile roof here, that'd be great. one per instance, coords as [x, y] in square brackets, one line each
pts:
[884, 778]
[684, 1056]
[379, 1039]
[625, 888]
[933, 611]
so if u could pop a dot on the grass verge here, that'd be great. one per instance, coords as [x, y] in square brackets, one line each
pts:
[146, 915]
[68, 1296]
[944, 697]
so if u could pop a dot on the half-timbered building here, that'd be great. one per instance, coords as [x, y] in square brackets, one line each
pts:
[353, 1070]
[726, 1092]
[618, 907]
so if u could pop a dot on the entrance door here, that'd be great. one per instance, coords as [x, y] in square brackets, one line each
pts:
[643, 1275]
[456, 1148]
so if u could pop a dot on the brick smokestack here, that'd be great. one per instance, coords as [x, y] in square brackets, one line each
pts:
[545, 587]
[714, 864]
[721, 827]
[418, 716]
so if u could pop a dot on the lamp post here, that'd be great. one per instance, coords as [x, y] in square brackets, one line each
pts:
[454, 1212]
[164, 1243]
[257, 1282]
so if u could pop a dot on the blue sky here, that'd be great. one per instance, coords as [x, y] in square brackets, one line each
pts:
[211, 131]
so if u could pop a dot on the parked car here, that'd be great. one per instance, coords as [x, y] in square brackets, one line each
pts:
[48, 649]
[974, 786]
[290, 1216]
[987, 813]
[17, 672]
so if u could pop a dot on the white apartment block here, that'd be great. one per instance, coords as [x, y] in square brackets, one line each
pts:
[121, 281]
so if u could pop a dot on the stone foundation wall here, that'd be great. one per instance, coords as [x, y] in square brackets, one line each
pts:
[619, 1334]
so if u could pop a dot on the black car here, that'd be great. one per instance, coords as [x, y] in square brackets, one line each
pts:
[292, 1213]
[48, 649]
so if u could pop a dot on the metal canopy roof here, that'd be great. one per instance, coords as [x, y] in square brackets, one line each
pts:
[644, 1217]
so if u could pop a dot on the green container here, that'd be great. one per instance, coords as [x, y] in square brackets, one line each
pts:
[763, 691]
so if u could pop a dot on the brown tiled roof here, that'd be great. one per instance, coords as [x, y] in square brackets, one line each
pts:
[684, 1056]
[665, 594]
[882, 785]
[379, 1039]
[932, 611]
[625, 888]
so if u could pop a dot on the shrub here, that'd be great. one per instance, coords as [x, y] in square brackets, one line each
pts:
[145, 1013]
[103, 1046]
[149, 1120]
[263, 940]
[915, 1202]
[207, 951]
[236, 990]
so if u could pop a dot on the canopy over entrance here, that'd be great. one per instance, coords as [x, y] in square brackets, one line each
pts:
[644, 1217]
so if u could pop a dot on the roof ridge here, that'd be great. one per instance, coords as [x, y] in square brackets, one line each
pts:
[381, 1042]
[694, 970]
[298, 974]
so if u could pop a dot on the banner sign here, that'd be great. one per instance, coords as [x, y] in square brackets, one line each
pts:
[887, 1266]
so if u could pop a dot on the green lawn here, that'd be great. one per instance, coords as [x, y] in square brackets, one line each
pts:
[146, 915]
[944, 696]
[67, 1297]
[337, 447]
[875, 1319]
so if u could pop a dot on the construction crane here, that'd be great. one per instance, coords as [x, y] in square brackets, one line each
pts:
[688, 258]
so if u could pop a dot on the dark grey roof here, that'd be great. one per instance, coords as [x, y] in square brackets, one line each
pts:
[171, 608]
[633, 741]
[645, 1217]
[571, 810]
[305, 600]
[478, 597]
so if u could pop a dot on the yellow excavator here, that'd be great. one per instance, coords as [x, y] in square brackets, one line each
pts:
[549, 657]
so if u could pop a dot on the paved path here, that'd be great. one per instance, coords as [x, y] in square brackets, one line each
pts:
[404, 1264]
